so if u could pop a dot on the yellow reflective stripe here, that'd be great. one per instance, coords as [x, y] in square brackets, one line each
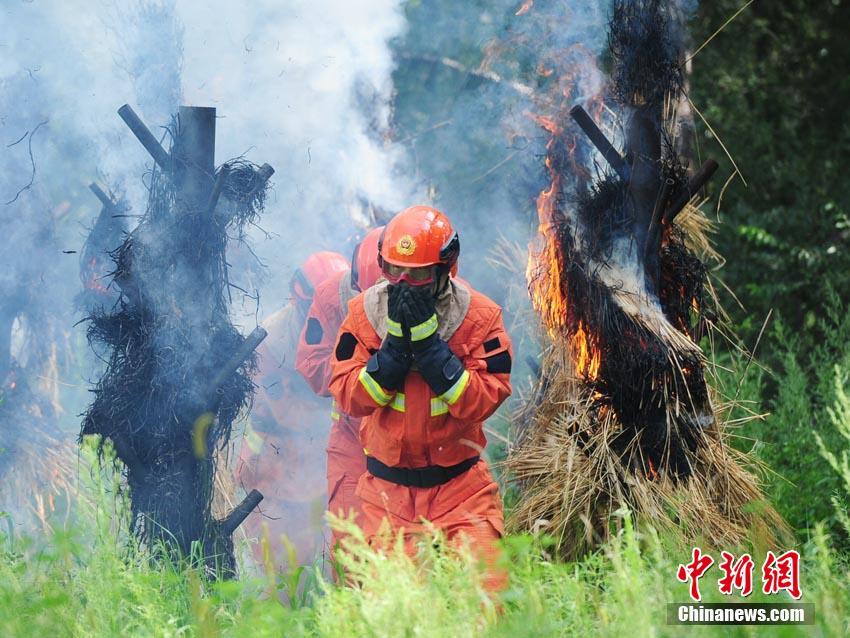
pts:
[334, 412]
[452, 395]
[438, 406]
[374, 388]
[398, 402]
[424, 329]
[394, 328]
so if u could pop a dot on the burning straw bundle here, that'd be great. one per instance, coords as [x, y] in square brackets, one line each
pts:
[622, 415]
[178, 371]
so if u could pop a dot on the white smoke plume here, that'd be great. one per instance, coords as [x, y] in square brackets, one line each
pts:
[306, 87]
[303, 86]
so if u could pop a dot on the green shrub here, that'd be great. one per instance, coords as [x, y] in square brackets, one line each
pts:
[799, 395]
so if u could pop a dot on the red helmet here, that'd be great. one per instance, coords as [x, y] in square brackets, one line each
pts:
[420, 236]
[365, 264]
[315, 269]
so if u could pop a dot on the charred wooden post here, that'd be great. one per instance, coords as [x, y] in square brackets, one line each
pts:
[221, 536]
[240, 513]
[227, 173]
[216, 191]
[694, 185]
[179, 372]
[643, 146]
[251, 343]
[194, 155]
[657, 218]
[265, 172]
[105, 199]
[650, 253]
[143, 134]
[598, 139]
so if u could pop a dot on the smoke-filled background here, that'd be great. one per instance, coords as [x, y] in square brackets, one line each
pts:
[305, 87]
[311, 88]
[365, 107]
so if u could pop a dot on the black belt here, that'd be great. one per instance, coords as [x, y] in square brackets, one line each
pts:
[430, 476]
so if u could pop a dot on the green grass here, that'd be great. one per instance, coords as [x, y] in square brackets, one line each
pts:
[88, 579]
[85, 583]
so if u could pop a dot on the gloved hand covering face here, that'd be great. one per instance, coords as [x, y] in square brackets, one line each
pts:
[397, 328]
[435, 360]
[420, 315]
[390, 365]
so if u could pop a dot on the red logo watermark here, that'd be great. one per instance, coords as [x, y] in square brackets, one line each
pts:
[781, 573]
[778, 573]
[695, 570]
[737, 574]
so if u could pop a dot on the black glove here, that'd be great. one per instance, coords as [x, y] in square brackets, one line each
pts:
[439, 366]
[420, 315]
[397, 331]
[389, 365]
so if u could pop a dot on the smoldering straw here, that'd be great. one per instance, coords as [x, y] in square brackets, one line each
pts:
[622, 415]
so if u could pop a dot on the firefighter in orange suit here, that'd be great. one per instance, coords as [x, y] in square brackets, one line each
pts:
[282, 453]
[346, 460]
[424, 359]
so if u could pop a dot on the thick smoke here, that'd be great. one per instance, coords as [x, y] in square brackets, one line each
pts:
[149, 49]
[304, 86]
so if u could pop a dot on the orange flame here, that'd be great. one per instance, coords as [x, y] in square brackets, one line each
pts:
[653, 474]
[571, 74]
[586, 354]
[93, 281]
[545, 272]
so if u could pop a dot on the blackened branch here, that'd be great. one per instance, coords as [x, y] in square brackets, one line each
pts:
[601, 142]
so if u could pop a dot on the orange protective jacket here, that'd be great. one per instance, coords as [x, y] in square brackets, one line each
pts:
[318, 337]
[345, 458]
[416, 428]
[315, 350]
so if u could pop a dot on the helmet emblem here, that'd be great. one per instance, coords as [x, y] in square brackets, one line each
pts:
[406, 246]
